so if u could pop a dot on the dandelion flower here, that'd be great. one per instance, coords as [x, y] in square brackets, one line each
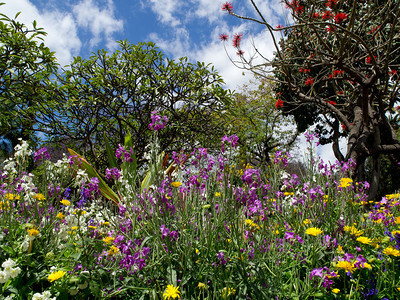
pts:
[113, 250]
[345, 182]
[335, 291]
[60, 216]
[33, 232]
[55, 276]
[314, 231]
[108, 239]
[353, 230]
[364, 240]
[346, 265]
[65, 202]
[40, 197]
[176, 184]
[391, 251]
[171, 292]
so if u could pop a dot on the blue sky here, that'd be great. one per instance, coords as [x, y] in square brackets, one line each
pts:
[179, 28]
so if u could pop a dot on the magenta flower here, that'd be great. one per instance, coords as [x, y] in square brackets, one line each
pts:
[240, 53]
[157, 122]
[41, 154]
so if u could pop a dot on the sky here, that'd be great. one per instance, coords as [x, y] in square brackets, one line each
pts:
[179, 28]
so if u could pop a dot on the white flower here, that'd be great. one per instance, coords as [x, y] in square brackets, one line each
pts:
[15, 272]
[8, 264]
[3, 277]
[37, 296]
[25, 244]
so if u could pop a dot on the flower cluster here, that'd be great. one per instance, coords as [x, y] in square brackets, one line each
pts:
[158, 122]
[10, 270]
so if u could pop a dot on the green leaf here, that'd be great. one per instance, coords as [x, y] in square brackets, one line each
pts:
[105, 190]
[110, 153]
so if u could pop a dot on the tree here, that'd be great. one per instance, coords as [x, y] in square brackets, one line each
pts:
[260, 126]
[337, 65]
[115, 93]
[26, 65]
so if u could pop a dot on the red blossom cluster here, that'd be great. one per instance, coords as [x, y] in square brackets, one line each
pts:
[303, 70]
[392, 72]
[368, 60]
[330, 29]
[331, 102]
[228, 7]
[240, 52]
[236, 40]
[315, 15]
[296, 6]
[336, 73]
[278, 103]
[331, 3]
[340, 17]
[309, 81]
[223, 37]
[327, 15]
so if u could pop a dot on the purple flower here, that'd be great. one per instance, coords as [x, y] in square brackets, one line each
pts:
[164, 231]
[41, 154]
[113, 173]
[157, 122]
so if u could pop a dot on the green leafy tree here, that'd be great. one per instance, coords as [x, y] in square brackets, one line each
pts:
[260, 126]
[336, 66]
[26, 65]
[115, 93]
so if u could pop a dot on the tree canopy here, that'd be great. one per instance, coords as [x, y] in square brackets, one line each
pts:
[336, 65]
[115, 93]
[26, 66]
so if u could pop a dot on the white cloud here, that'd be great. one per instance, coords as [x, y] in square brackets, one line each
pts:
[63, 27]
[100, 21]
[165, 9]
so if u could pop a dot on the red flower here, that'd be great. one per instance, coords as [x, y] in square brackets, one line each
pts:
[295, 5]
[301, 70]
[223, 37]
[344, 127]
[368, 60]
[331, 102]
[279, 26]
[278, 103]
[227, 6]
[309, 81]
[240, 52]
[340, 17]
[330, 28]
[340, 92]
[236, 40]
[336, 73]
[327, 15]
[315, 15]
[331, 3]
[392, 72]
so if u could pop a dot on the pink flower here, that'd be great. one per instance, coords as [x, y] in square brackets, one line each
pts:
[223, 37]
[236, 40]
[227, 6]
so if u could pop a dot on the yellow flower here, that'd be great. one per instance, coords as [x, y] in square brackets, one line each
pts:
[346, 265]
[335, 291]
[74, 227]
[364, 240]
[217, 194]
[106, 224]
[108, 239]
[288, 193]
[65, 202]
[398, 288]
[11, 197]
[176, 184]
[197, 251]
[306, 221]
[113, 250]
[391, 251]
[201, 285]
[92, 227]
[171, 292]
[340, 249]
[33, 232]
[394, 232]
[353, 230]
[314, 231]
[55, 276]
[250, 223]
[226, 292]
[40, 197]
[345, 182]
[397, 220]
[366, 265]
[80, 212]
[60, 215]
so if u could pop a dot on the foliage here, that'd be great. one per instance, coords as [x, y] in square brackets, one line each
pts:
[336, 66]
[115, 93]
[26, 65]
[260, 126]
[206, 233]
